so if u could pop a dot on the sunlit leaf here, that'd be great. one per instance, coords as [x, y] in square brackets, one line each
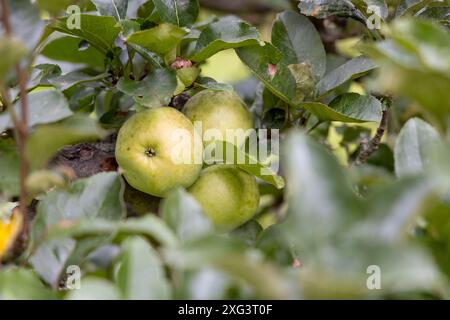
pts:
[297, 38]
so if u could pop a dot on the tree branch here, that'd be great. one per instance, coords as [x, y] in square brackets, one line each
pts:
[367, 148]
[20, 125]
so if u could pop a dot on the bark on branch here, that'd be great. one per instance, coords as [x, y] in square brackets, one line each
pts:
[369, 147]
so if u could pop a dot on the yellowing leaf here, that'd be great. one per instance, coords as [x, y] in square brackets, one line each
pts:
[10, 228]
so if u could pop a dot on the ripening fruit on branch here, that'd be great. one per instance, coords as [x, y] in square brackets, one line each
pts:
[220, 110]
[228, 195]
[150, 149]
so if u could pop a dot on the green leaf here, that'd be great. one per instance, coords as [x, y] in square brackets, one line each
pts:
[321, 200]
[338, 236]
[229, 256]
[129, 27]
[67, 48]
[99, 31]
[141, 275]
[50, 260]
[113, 8]
[26, 22]
[229, 32]
[93, 288]
[441, 14]
[31, 288]
[161, 39]
[209, 83]
[358, 107]
[414, 144]
[9, 168]
[343, 270]
[42, 73]
[154, 60]
[249, 163]
[261, 60]
[419, 50]
[272, 242]
[46, 140]
[352, 69]
[304, 81]
[188, 75]
[427, 41]
[349, 107]
[44, 107]
[11, 51]
[75, 78]
[410, 6]
[54, 7]
[155, 90]
[178, 12]
[184, 215]
[437, 236]
[97, 197]
[393, 210]
[298, 39]
[249, 233]
[149, 226]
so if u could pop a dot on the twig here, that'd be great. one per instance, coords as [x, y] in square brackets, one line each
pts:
[367, 148]
[20, 125]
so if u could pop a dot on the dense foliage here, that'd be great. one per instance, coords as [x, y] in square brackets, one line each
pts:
[360, 93]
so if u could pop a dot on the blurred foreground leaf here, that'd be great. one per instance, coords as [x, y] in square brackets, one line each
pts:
[46, 140]
[9, 168]
[183, 214]
[413, 149]
[31, 288]
[419, 50]
[11, 51]
[141, 274]
[44, 107]
[95, 289]
[99, 196]
[338, 238]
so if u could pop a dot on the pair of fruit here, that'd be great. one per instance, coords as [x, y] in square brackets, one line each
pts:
[149, 143]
